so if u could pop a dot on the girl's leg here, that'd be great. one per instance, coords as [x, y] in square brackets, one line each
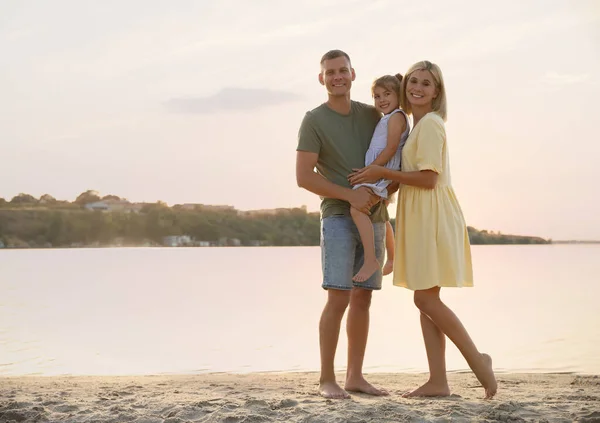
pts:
[389, 248]
[429, 302]
[365, 229]
[435, 345]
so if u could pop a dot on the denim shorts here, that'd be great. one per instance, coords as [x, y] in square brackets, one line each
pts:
[342, 253]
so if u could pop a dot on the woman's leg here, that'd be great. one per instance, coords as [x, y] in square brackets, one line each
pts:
[435, 345]
[390, 247]
[367, 237]
[429, 302]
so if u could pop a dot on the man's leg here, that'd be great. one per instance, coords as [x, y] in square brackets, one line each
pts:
[338, 245]
[357, 325]
[357, 328]
[329, 333]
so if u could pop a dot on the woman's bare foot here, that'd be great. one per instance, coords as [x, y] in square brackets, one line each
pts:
[388, 267]
[361, 385]
[367, 270]
[487, 377]
[331, 390]
[430, 389]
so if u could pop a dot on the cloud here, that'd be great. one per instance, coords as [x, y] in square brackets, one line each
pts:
[17, 34]
[229, 99]
[554, 78]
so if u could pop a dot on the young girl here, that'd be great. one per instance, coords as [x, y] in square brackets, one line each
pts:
[431, 239]
[385, 150]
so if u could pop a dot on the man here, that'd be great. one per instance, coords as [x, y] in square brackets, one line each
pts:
[334, 138]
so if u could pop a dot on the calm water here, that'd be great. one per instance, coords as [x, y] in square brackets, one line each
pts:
[150, 311]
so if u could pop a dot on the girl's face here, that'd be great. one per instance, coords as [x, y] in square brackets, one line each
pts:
[386, 101]
[421, 89]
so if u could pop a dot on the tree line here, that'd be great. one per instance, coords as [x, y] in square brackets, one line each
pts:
[28, 222]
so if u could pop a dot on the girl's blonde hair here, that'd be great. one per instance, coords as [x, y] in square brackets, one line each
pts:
[388, 82]
[439, 103]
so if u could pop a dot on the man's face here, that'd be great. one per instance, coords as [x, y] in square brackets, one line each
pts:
[337, 76]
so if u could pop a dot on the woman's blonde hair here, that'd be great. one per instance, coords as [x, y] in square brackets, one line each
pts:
[439, 103]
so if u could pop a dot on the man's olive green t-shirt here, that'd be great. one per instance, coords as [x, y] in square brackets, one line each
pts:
[341, 142]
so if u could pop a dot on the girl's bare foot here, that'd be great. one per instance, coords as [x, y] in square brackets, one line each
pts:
[331, 390]
[367, 270]
[487, 377]
[388, 267]
[430, 389]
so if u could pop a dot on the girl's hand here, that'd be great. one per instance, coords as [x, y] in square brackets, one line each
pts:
[368, 174]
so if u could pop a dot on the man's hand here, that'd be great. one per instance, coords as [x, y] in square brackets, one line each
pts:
[363, 199]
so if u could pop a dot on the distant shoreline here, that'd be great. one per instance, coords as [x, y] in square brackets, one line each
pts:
[92, 221]
[105, 247]
[575, 242]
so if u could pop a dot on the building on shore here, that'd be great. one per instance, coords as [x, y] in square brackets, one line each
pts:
[111, 205]
[205, 207]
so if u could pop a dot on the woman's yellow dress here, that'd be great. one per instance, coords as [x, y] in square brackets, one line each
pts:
[432, 243]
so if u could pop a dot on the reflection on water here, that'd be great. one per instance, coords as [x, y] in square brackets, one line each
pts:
[149, 311]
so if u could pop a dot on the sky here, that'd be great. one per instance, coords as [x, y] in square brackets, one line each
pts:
[200, 101]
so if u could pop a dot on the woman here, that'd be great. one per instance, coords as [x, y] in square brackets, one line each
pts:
[432, 243]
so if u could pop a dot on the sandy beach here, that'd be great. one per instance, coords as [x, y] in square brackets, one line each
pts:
[291, 397]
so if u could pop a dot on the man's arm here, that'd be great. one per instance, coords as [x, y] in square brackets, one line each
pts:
[306, 177]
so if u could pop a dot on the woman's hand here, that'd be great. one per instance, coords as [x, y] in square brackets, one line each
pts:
[368, 174]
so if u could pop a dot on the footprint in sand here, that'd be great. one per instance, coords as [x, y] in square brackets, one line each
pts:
[257, 404]
[66, 408]
[285, 403]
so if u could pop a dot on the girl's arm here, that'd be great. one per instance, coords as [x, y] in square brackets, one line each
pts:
[430, 145]
[396, 126]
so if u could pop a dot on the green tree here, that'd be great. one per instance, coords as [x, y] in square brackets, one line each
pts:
[47, 199]
[111, 197]
[89, 196]
[23, 198]
[55, 233]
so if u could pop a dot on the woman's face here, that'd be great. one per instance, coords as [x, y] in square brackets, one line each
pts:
[421, 89]
[386, 101]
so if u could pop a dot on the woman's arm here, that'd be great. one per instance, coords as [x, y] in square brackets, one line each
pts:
[396, 127]
[421, 178]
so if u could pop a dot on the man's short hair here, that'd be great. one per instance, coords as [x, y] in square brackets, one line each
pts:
[334, 54]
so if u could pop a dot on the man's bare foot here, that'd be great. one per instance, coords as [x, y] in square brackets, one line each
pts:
[487, 378]
[332, 390]
[430, 389]
[367, 269]
[388, 267]
[361, 385]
